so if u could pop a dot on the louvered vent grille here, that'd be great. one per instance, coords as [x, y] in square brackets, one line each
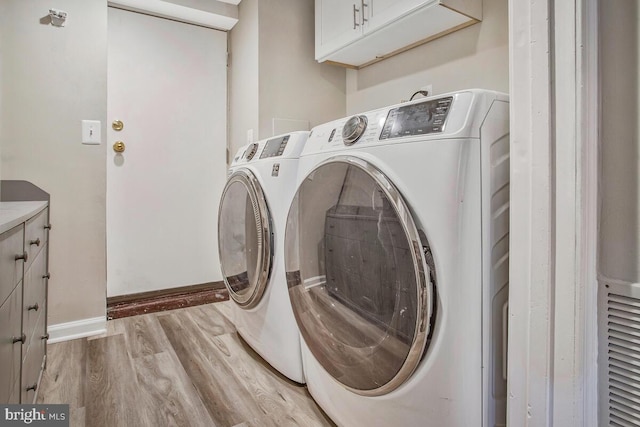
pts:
[623, 350]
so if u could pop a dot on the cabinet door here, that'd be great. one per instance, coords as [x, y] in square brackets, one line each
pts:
[33, 362]
[338, 22]
[381, 12]
[35, 235]
[11, 245]
[34, 300]
[10, 330]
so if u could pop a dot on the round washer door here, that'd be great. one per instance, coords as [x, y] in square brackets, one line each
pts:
[244, 238]
[358, 276]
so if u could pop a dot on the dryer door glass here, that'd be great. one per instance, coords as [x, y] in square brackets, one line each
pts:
[244, 238]
[358, 276]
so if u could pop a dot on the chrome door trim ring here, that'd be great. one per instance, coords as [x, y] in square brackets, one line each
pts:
[425, 300]
[265, 245]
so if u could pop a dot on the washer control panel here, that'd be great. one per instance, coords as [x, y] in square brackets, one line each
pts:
[417, 119]
[274, 147]
[251, 151]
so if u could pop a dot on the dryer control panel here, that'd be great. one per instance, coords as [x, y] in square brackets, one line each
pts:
[274, 147]
[417, 119]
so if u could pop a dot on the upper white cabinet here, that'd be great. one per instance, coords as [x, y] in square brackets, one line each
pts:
[340, 24]
[359, 32]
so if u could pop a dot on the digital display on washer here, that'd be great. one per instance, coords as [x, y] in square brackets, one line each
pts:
[417, 119]
[274, 147]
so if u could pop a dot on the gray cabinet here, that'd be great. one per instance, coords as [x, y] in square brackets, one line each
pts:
[23, 303]
[34, 303]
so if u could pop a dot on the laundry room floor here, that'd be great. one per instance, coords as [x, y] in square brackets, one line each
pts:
[185, 367]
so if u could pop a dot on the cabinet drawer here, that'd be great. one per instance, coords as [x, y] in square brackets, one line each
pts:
[35, 289]
[31, 369]
[11, 244]
[10, 329]
[36, 235]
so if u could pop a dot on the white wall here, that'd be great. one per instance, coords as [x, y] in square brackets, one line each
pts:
[273, 73]
[243, 76]
[55, 77]
[475, 57]
[292, 84]
[620, 217]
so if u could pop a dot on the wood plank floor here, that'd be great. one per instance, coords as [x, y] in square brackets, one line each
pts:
[185, 367]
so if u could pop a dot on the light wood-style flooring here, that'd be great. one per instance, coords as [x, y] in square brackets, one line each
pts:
[185, 367]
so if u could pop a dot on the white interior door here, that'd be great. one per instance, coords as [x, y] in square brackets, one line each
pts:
[167, 84]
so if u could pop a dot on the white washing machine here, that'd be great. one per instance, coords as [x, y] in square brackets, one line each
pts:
[251, 222]
[398, 263]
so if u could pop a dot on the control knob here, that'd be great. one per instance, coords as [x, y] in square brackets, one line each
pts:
[354, 129]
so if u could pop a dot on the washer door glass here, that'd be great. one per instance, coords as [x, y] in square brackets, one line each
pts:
[358, 275]
[244, 238]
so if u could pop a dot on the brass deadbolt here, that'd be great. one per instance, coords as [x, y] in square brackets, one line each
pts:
[119, 147]
[117, 125]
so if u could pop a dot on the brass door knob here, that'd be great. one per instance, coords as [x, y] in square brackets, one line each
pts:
[119, 147]
[117, 125]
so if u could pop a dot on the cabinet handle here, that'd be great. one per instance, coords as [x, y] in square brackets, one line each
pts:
[48, 227]
[45, 336]
[355, 14]
[35, 242]
[362, 6]
[47, 276]
[35, 307]
[24, 256]
[22, 338]
[33, 387]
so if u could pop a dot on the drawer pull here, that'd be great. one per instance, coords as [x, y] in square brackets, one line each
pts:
[33, 387]
[21, 339]
[24, 256]
[35, 307]
[35, 242]
[45, 336]
[47, 276]
[48, 227]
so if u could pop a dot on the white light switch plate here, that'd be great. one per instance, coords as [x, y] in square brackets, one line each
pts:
[91, 132]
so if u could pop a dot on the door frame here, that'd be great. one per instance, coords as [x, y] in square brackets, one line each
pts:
[219, 16]
[554, 204]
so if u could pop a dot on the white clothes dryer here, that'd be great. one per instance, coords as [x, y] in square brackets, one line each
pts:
[251, 222]
[397, 264]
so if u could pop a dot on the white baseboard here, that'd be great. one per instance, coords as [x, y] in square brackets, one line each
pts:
[77, 329]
